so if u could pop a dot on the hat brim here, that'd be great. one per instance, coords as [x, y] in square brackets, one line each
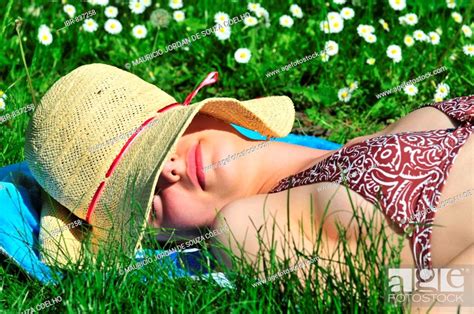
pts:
[120, 217]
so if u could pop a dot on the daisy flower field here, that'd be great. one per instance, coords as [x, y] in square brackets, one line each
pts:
[363, 48]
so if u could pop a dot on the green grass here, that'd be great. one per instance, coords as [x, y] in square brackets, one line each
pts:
[101, 286]
[313, 86]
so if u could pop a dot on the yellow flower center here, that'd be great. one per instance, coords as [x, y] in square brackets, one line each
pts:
[442, 89]
[344, 94]
[393, 51]
[112, 26]
[397, 1]
[139, 31]
[45, 37]
[336, 24]
[243, 55]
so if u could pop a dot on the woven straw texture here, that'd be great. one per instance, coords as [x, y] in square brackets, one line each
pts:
[81, 125]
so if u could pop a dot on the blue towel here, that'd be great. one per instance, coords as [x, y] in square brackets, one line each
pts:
[19, 220]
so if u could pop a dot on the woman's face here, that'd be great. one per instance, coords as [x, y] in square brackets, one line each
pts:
[189, 196]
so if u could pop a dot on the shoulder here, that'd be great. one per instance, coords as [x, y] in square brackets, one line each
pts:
[254, 207]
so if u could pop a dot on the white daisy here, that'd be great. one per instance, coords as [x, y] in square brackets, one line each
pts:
[347, 13]
[410, 90]
[111, 11]
[70, 10]
[90, 25]
[339, 1]
[442, 89]
[137, 6]
[324, 26]
[332, 16]
[250, 21]
[336, 23]
[179, 16]
[44, 35]
[324, 57]
[384, 25]
[147, 3]
[438, 97]
[222, 33]
[370, 61]
[242, 55]
[466, 30]
[344, 94]
[451, 4]
[286, 21]
[221, 17]
[468, 50]
[457, 17]
[353, 86]
[397, 5]
[102, 3]
[419, 35]
[394, 52]
[176, 4]
[370, 38]
[331, 48]
[139, 31]
[363, 30]
[113, 26]
[402, 20]
[2, 104]
[410, 19]
[408, 40]
[434, 38]
[296, 11]
[253, 7]
[262, 12]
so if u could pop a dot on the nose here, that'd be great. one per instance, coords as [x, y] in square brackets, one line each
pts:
[172, 172]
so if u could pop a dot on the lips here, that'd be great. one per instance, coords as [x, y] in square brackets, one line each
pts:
[194, 166]
[200, 171]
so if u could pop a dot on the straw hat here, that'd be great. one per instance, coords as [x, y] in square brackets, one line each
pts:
[97, 143]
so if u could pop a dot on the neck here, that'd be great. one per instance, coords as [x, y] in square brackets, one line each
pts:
[279, 160]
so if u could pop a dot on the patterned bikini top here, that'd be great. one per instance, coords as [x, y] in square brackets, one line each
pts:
[403, 173]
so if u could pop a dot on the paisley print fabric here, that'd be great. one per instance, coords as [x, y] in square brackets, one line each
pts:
[403, 173]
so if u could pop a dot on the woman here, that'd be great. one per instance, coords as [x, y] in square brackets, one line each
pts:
[408, 160]
[407, 170]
